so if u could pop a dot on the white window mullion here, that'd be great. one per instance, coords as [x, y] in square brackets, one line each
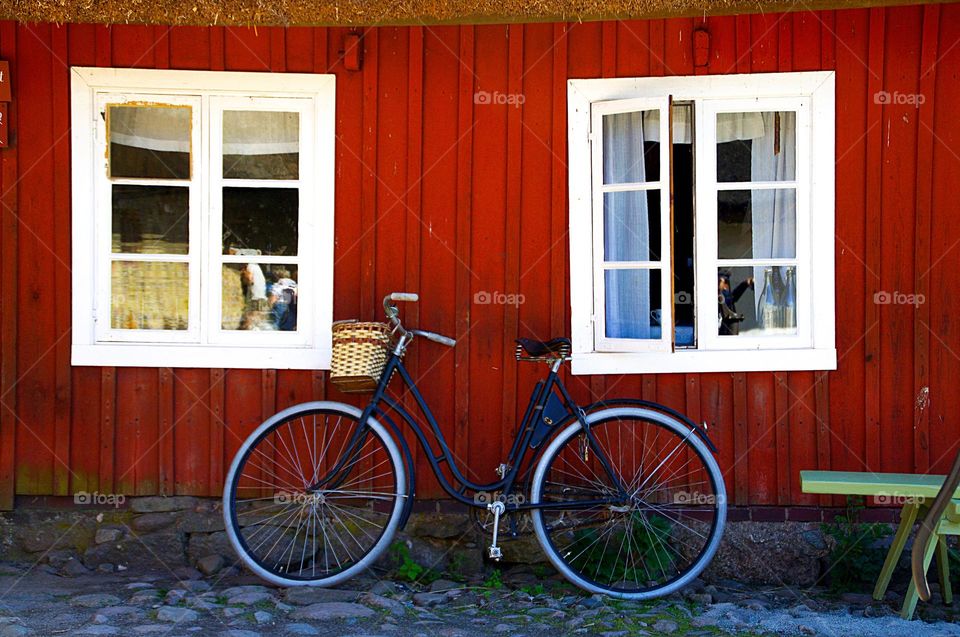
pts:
[705, 226]
[205, 292]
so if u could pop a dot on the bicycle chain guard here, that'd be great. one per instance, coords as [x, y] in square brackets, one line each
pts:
[553, 412]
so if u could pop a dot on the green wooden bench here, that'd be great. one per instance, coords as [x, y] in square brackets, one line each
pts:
[915, 492]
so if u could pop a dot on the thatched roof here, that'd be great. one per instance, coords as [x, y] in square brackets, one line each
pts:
[380, 12]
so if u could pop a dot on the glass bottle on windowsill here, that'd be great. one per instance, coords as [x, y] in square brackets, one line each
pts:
[789, 311]
[770, 310]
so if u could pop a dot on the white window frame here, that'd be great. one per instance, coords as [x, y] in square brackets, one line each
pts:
[812, 95]
[205, 344]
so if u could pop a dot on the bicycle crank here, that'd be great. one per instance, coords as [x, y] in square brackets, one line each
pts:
[497, 508]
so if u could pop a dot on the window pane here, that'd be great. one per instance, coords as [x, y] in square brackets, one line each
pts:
[259, 296]
[260, 220]
[151, 219]
[631, 149]
[633, 308]
[631, 226]
[757, 224]
[261, 145]
[757, 146]
[149, 141]
[757, 301]
[148, 295]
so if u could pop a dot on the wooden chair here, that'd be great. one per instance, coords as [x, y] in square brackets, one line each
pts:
[942, 519]
[918, 495]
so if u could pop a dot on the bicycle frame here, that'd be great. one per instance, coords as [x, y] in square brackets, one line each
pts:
[530, 429]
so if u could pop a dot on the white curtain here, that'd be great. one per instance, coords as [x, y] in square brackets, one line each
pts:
[774, 218]
[626, 227]
[167, 129]
[730, 126]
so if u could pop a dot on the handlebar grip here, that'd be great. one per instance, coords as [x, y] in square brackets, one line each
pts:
[444, 340]
[436, 338]
[405, 296]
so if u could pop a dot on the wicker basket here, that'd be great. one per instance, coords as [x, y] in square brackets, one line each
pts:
[359, 355]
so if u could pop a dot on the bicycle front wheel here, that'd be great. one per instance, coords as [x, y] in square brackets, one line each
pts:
[313, 499]
[650, 538]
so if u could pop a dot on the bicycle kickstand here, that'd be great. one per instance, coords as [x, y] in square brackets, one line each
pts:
[498, 508]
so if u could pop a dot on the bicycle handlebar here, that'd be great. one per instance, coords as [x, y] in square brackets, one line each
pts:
[393, 313]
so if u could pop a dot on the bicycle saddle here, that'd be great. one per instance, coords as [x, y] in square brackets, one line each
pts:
[554, 348]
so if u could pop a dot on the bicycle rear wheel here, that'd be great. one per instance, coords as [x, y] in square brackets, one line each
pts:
[649, 542]
[311, 499]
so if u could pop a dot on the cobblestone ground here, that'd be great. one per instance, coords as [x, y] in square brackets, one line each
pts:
[36, 601]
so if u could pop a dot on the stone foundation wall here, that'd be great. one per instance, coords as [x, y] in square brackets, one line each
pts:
[168, 533]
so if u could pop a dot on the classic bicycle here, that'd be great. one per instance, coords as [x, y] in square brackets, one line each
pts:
[624, 495]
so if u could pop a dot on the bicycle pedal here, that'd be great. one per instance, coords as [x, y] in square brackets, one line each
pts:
[494, 553]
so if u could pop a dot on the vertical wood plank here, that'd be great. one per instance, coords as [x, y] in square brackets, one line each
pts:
[368, 193]
[268, 406]
[874, 167]
[487, 265]
[848, 381]
[822, 401]
[8, 277]
[761, 427]
[165, 424]
[161, 47]
[414, 200]
[218, 49]
[657, 64]
[897, 225]
[925, 170]
[217, 402]
[742, 61]
[321, 63]
[278, 58]
[61, 245]
[108, 392]
[462, 291]
[511, 318]
[782, 408]
[692, 409]
[828, 40]
[558, 180]
[35, 345]
[741, 441]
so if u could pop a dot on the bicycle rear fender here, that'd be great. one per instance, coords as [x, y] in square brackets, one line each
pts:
[646, 404]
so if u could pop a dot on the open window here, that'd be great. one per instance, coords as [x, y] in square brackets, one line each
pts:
[709, 202]
[631, 206]
[202, 218]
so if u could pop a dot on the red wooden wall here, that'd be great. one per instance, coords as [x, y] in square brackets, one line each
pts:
[446, 197]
